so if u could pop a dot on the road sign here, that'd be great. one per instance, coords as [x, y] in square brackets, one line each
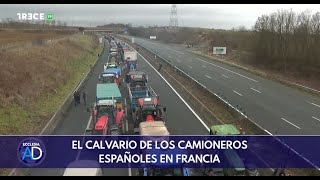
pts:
[219, 50]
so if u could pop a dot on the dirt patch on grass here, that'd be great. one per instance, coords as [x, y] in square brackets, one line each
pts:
[35, 80]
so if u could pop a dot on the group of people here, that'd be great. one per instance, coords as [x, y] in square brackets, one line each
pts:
[76, 96]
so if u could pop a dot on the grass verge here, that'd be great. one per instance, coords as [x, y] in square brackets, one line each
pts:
[16, 120]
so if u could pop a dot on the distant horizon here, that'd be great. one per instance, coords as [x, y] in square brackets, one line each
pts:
[216, 16]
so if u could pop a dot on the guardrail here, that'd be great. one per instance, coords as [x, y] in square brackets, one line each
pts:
[259, 129]
[58, 115]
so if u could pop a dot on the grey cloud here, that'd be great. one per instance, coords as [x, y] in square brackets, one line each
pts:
[197, 15]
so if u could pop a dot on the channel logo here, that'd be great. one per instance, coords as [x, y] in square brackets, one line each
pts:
[31, 152]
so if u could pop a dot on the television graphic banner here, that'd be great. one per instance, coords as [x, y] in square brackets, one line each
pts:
[160, 151]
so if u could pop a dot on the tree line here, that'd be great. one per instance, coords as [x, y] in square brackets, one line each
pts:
[288, 41]
[282, 41]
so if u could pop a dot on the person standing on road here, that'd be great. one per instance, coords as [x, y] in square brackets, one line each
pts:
[75, 98]
[84, 96]
[78, 96]
[160, 66]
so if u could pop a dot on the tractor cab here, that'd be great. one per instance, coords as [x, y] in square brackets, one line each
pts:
[137, 83]
[110, 65]
[149, 109]
[111, 75]
[156, 131]
[103, 115]
[139, 78]
[107, 78]
[107, 111]
[229, 156]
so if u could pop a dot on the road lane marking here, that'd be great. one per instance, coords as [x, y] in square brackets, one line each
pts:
[82, 142]
[190, 67]
[313, 104]
[316, 118]
[225, 76]
[237, 93]
[208, 77]
[208, 128]
[177, 51]
[268, 132]
[286, 145]
[255, 90]
[291, 123]
[203, 66]
[129, 172]
[188, 106]
[228, 70]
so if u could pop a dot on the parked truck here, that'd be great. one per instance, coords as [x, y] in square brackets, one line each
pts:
[136, 78]
[131, 59]
[108, 115]
[111, 75]
[159, 129]
[139, 92]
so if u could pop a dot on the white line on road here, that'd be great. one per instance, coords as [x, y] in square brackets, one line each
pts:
[208, 77]
[228, 70]
[129, 172]
[82, 142]
[225, 76]
[177, 51]
[203, 66]
[189, 107]
[316, 118]
[237, 93]
[291, 123]
[255, 90]
[267, 132]
[190, 67]
[314, 104]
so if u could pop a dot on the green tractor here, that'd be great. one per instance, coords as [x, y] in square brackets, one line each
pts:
[230, 155]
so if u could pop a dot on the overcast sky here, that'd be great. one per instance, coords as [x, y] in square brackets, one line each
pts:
[219, 16]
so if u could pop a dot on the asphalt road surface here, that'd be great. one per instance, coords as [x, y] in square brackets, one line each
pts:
[179, 119]
[277, 108]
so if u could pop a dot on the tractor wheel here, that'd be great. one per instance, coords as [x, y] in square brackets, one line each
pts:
[123, 126]
[134, 118]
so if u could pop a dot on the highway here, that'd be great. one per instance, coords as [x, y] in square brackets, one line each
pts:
[180, 120]
[277, 108]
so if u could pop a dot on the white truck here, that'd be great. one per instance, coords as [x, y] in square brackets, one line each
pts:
[130, 55]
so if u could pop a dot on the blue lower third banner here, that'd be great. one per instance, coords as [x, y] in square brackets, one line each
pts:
[160, 151]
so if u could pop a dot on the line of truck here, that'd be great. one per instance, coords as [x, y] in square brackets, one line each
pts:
[112, 109]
